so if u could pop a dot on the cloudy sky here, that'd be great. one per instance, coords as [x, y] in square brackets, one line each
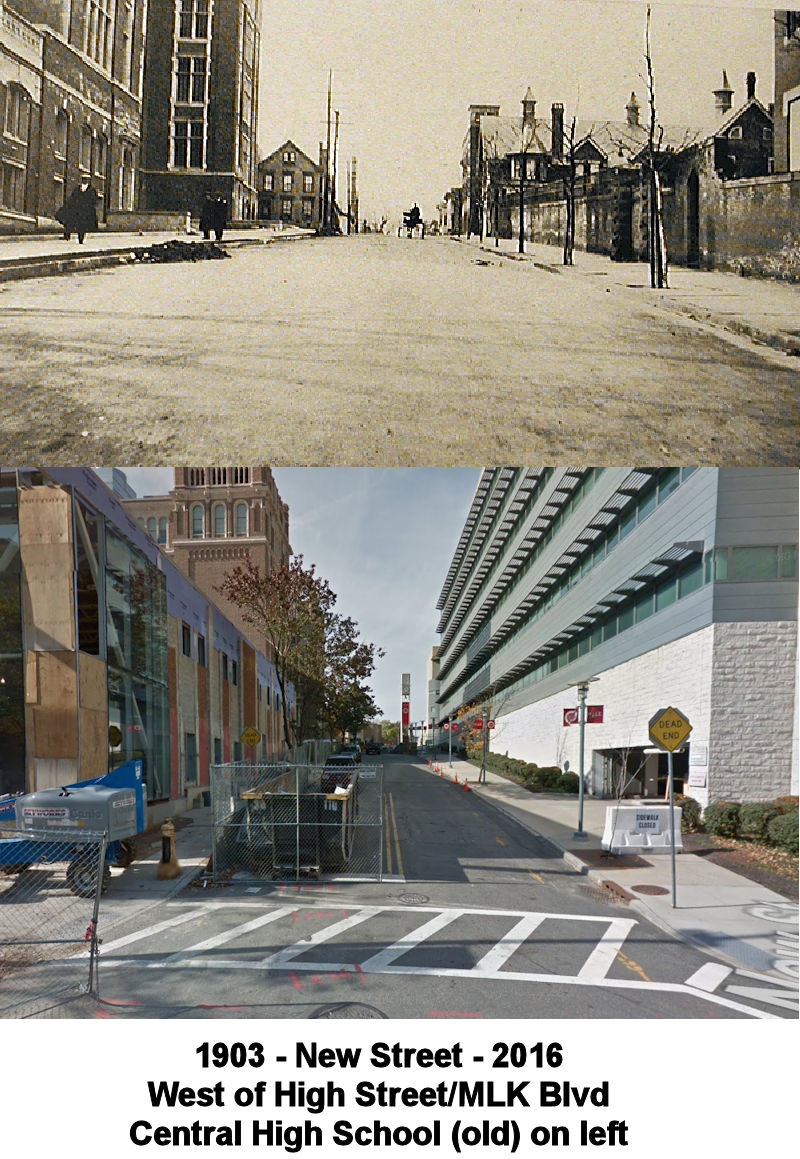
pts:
[383, 538]
[406, 71]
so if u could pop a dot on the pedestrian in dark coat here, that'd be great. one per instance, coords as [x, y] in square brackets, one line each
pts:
[79, 212]
[214, 215]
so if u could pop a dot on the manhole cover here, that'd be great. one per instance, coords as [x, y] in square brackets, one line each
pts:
[348, 1010]
[413, 899]
[649, 889]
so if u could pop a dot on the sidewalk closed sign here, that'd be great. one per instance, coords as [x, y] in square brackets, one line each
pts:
[669, 728]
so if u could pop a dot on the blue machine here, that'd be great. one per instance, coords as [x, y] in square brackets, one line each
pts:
[113, 804]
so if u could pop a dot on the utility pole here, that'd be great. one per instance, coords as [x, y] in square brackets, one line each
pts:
[354, 192]
[349, 199]
[334, 212]
[326, 207]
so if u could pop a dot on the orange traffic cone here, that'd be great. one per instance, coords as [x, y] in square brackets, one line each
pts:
[466, 786]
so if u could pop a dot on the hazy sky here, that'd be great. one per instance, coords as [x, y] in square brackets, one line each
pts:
[383, 538]
[406, 71]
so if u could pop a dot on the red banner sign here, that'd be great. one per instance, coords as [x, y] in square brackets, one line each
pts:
[406, 714]
[594, 715]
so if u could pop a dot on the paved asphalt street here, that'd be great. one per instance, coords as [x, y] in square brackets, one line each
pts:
[377, 350]
[476, 917]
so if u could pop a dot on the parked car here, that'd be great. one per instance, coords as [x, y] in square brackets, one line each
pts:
[372, 748]
[353, 750]
[339, 770]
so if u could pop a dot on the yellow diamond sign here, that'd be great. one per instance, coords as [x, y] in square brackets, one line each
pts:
[669, 728]
[251, 736]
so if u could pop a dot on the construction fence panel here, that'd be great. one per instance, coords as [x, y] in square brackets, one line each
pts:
[297, 821]
[50, 890]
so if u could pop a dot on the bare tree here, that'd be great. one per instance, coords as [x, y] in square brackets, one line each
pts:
[657, 249]
[570, 181]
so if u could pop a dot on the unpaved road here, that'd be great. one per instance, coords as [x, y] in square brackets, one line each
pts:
[376, 350]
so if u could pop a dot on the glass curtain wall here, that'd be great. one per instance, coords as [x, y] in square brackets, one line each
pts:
[138, 694]
[12, 706]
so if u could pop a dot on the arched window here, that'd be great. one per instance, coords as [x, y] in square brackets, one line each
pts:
[162, 530]
[219, 519]
[197, 521]
[151, 527]
[241, 519]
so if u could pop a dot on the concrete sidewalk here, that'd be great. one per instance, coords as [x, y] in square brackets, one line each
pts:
[755, 308]
[737, 920]
[40, 255]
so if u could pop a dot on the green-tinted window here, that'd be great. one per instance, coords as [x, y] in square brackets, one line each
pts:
[647, 504]
[720, 563]
[753, 563]
[665, 594]
[644, 607]
[625, 618]
[668, 482]
[610, 629]
[789, 561]
[628, 523]
[690, 580]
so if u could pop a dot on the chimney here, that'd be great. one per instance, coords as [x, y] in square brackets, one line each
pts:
[528, 108]
[723, 95]
[632, 109]
[557, 113]
[750, 82]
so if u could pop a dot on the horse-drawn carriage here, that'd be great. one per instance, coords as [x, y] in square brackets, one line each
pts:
[412, 225]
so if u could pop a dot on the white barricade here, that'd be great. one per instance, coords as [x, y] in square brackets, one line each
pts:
[637, 827]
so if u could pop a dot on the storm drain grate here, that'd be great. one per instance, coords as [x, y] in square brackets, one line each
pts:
[413, 899]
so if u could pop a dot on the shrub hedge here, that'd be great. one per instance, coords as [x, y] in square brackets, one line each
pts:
[754, 818]
[690, 814]
[722, 818]
[782, 831]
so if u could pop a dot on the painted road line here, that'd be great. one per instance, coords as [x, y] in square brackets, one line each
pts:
[603, 955]
[396, 838]
[502, 951]
[148, 931]
[708, 977]
[537, 876]
[378, 961]
[290, 952]
[228, 935]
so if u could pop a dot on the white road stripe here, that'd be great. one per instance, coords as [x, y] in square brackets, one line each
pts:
[708, 977]
[502, 951]
[159, 927]
[321, 936]
[604, 954]
[376, 963]
[226, 936]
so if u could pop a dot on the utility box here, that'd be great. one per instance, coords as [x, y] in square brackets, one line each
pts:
[93, 808]
[639, 828]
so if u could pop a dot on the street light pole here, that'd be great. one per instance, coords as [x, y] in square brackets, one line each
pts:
[583, 692]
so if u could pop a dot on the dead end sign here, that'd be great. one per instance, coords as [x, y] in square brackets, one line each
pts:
[669, 728]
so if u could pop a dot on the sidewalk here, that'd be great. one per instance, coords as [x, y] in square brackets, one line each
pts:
[39, 255]
[737, 920]
[764, 311]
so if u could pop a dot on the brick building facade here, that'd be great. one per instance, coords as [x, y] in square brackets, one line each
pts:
[70, 104]
[200, 105]
[290, 187]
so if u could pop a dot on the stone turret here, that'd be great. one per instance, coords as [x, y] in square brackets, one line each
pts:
[723, 96]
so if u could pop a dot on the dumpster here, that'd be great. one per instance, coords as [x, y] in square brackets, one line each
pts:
[278, 831]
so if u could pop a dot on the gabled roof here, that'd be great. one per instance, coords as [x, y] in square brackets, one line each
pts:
[753, 103]
[507, 135]
[277, 155]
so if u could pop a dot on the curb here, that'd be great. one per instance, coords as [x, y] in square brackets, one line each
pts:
[17, 269]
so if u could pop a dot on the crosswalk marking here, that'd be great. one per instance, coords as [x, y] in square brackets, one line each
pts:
[387, 960]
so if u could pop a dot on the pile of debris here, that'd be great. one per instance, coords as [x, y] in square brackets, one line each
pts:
[180, 251]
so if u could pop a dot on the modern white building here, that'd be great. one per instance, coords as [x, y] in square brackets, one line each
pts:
[661, 587]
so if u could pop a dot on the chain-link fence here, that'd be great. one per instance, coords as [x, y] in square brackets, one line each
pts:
[49, 902]
[297, 821]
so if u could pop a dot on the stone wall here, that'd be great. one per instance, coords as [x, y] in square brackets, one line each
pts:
[752, 710]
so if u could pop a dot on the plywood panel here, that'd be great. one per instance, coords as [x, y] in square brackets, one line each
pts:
[45, 527]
